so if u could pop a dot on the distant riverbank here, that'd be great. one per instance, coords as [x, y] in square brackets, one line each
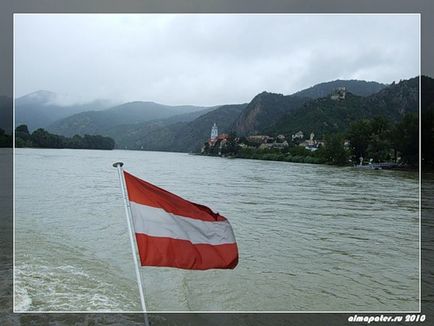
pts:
[41, 138]
[264, 156]
[309, 159]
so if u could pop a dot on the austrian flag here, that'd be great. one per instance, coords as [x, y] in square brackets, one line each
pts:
[174, 232]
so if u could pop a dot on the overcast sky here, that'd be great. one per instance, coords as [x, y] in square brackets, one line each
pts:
[207, 59]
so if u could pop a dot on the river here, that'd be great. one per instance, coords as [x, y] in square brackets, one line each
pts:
[310, 237]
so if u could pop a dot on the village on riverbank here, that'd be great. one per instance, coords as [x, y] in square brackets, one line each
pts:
[369, 144]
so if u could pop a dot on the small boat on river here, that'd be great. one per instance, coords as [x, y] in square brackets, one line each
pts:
[377, 166]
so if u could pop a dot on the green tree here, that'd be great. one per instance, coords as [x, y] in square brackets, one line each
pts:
[406, 138]
[22, 129]
[334, 151]
[299, 151]
[230, 147]
[42, 138]
[22, 136]
[205, 148]
[76, 142]
[359, 136]
[379, 148]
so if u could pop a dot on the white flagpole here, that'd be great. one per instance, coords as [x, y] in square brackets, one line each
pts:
[119, 165]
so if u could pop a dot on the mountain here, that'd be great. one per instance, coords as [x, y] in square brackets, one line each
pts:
[356, 87]
[325, 115]
[99, 122]
[41, 108]
[153, 126]
[395, 100]
[182, 136]
[266, 109]
[320, 116]
[187, 117]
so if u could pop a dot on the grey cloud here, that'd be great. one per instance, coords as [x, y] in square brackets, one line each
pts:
[207, 59]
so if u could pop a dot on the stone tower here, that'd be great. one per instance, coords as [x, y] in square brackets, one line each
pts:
[214, 132]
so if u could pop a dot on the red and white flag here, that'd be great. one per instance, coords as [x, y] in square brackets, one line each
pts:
[174, 232]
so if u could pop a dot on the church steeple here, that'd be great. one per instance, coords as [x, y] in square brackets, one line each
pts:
[214, 132]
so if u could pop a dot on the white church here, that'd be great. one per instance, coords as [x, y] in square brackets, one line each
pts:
[214, 132]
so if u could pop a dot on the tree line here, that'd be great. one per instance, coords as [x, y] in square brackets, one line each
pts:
[375, 140]
[41, 138]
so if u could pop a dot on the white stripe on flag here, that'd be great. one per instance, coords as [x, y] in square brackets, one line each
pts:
[159, 223]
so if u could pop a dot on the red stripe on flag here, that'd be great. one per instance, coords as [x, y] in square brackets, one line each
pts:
[142, 192]
[169, 252]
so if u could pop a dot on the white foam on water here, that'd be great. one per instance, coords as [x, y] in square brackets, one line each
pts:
[67, 287]
[23, 301]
